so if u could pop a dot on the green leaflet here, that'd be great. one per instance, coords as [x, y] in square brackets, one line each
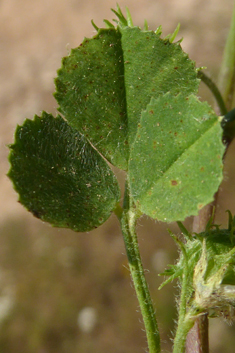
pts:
[104, 85]
[176, 160]
[59, 176]
[91, 94]
[153, 67]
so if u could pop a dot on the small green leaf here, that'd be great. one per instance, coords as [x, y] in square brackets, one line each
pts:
[176, 160]
[59, 176]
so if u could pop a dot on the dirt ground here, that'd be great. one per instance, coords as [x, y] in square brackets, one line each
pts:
[47, 276]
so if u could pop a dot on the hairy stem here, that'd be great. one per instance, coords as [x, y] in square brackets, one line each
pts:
[128, 224]
[185, 322]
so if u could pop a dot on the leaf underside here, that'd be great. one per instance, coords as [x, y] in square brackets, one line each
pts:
[59, 176]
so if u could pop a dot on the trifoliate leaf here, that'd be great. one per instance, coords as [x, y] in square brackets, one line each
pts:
[59, 176]
[176, 160]
[104, 85]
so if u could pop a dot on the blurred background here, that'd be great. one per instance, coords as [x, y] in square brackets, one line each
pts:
[70, 292]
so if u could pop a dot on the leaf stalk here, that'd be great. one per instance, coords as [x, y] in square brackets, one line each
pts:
[128, 225]
[215, 91]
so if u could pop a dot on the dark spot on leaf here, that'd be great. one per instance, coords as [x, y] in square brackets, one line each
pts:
[175, 133]
[36, 213]
[174, 182]
[176, 67]
[202, 169]
[151, 111]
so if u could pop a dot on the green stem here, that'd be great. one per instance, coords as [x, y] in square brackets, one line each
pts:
[214, 89]
[227, 71]
[180, 339]
[128, 224]
[185, 322]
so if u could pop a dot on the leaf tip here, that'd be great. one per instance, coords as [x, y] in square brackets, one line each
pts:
[146, 26]
[171, 37]
[158, 31]
[120, 16]
[129, 18]
[108, 24]
[94, 25]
